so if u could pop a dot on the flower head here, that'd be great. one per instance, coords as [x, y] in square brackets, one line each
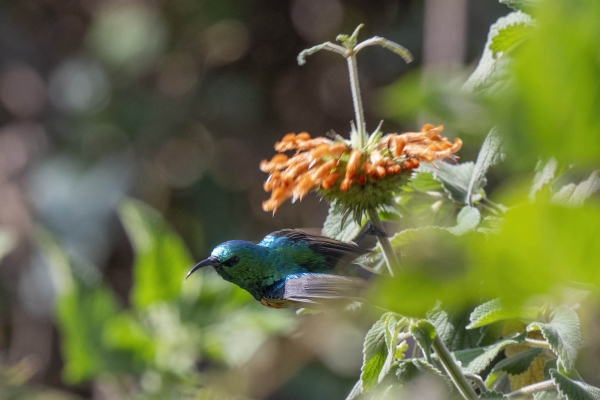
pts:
[356, 178]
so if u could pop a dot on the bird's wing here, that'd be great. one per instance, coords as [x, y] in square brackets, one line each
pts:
[333, 250]
[316, 291]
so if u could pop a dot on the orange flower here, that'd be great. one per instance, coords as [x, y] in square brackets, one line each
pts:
[320, 162]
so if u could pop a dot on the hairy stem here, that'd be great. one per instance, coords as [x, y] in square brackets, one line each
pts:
[389, 255]
[453, 370]
[537, 343]
[527, 390]
[357, 101]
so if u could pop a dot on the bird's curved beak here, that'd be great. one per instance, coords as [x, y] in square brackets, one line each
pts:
[209, 261]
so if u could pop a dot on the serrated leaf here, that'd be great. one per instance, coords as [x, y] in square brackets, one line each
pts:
[424, 333]
[161, 257]
[574, 390]
[377, 356]
[490, 394]
[489, 154]
[467, 220]
[546, 395]
[450, 326]
[492, 73]
[544, 173]
[574, 195]
[494, 310]
[406, 371]
[476, 360]
[518, 363]
[454, 178]
[562, 334]
[338, 226]
[522, 5]
[510, 37]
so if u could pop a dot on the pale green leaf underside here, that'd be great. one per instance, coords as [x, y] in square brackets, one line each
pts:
[476, 360]
[489, 155]
[494, 310]
[574, 390]
[574, 195]
[562, 334]
[338, 227]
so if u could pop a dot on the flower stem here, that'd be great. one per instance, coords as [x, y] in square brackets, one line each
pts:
[528, 390]
[357, 101]
[453, 370]
[391, 260]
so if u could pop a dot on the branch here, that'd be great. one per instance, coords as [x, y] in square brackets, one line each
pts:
[527, 390]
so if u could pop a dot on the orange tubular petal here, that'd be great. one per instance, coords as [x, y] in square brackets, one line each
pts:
[320, 151]
[352, 166]
[338, 148]
[290, 137]
[323, 171]
[345, 185]
[398, 146]
[380, 171]
[330, 180]
[303, 136]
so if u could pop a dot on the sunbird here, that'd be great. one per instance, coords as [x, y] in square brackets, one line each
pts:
[292, 269]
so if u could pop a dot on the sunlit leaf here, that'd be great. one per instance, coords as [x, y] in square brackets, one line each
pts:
[574, 195]
[424, 333]
[376, 352]
[510, 37]
[545, 173]
[489, 155]
[494, 311]
[338, 226]
[450, 326]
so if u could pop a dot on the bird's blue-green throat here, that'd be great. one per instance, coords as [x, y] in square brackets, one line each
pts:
[290, 268]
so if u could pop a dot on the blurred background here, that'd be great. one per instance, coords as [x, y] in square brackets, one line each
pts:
[175, 103]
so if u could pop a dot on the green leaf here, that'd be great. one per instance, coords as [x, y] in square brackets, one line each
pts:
[161, 258]
[492, 73]
[408, 369]
[424, 333]
[510, 37]
[547, 395]
[378, 350]
[489, 154]
[518, 363]
[522, 5]
[544, 174]
[338, 227]
[476, 360]
[124, 332]
[562, 334]
[451, 328]
[82, 314]
[454, 178]
[574, 390]
[574, 195]
[467, 220]
[494, 310]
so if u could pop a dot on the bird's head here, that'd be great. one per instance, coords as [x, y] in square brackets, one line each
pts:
[229, 257]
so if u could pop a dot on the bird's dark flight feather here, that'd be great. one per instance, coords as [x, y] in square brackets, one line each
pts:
[333, 250]
[311, 290]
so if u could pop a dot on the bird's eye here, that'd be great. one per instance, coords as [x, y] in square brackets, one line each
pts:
[232, 261]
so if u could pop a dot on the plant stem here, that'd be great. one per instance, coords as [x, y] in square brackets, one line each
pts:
[527, 390]
[389, 255]
[356, 100]
[453, 370]
[537, 343]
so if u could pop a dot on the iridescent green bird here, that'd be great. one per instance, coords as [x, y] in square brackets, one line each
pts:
[291, 268]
